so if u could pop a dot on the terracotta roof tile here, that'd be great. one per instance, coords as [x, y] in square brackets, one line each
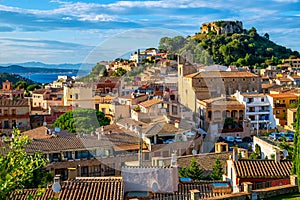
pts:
[285, 95]
[90, 188]
[223, 74]
[14, 103]
[205, 188]
[263, 168]
[150, 102]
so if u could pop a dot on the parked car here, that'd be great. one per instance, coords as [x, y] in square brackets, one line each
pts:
[276, 136]
[229, 139]
[238, 139]
[220, 139]
[289, 136]
[169, 141]
[247, 139]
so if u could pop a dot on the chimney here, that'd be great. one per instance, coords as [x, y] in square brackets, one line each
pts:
[176, 123]
[72, 172]
[235, 154]
[195, 194]
[57, 178]
[277, 155]
[173, 160]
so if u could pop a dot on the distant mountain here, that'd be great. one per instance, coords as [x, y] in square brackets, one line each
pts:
[56, 66]
[16, 69]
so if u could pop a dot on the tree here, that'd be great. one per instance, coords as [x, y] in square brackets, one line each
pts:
[296, 154]
[17, 168]
[194, 171]
[81, 120]
[105, 73]
[267, 36]
[21, 85]
[217, 172]
[32, 87]
[256, 154]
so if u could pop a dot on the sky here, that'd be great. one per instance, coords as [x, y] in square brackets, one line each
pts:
[70, 31]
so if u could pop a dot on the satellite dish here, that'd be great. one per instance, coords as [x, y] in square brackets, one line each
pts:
[194, 152]
[56, 187]
[44, 123]
[155, 187]
[56, 129]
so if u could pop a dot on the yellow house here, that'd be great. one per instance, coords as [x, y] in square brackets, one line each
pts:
[281, 103]
[111, 109]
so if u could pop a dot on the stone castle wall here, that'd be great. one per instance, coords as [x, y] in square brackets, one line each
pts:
[222, 27]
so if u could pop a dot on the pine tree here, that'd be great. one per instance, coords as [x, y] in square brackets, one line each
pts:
[194, 171]
[296, 155]
[217, 172]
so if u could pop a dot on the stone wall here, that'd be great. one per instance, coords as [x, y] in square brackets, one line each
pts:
[221, 27]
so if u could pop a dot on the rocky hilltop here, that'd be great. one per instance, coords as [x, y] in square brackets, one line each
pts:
[221, 27]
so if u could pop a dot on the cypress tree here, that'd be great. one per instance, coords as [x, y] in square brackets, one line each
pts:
[296, 155]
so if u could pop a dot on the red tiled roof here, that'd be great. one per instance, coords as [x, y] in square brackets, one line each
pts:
[14, 103]
[206, 188]
[150, 102]
[94, 188]
[263, 168]
[285, 95]
[221, 74]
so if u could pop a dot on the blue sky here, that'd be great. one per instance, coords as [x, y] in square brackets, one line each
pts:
[68, 31]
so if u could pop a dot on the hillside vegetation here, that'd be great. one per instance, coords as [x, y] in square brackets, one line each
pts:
[241, 49]
[14, 78]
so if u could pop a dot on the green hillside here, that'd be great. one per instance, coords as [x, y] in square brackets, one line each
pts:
[14, 78]
[241, 49]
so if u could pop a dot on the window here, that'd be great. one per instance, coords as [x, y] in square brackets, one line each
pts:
[262, 99]
[76, 96]
[5, 112]
[283, 101]
[95, 170]
[13, 111]
[146, 156]
[244, 79]
[71, 96]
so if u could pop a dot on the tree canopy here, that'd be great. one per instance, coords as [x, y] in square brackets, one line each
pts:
[217, 172]
[194, 171]
[81, 120]
[240, 49]
[296, 154]
[17, 168]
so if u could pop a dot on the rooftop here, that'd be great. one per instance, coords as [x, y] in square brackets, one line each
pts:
[91, 188]
[263, 168]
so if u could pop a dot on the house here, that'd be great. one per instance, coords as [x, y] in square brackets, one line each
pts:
[43, 98]
[55, 112]
[282, 102]
[78, 95]
[8, 92]
[215, 111]
[194, 85]
[106, 85]
[132, 99]
[102, 154]
[273, 172]
[152, 106]
[291, 118]
[14, 113]
[258, 109]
